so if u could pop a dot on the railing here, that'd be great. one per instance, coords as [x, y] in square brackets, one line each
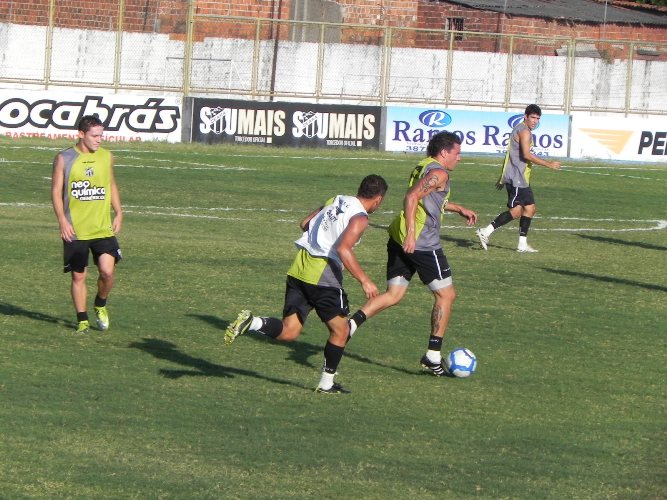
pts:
[267, 59]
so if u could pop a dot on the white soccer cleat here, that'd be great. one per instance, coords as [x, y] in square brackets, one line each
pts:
[526, 249]
[483, 239]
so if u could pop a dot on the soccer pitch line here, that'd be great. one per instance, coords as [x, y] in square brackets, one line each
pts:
[585, 170]
[575, 224]
[571, 170]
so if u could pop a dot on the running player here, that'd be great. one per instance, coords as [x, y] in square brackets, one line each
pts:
[414, 244]
[315, 279]
[515, 176]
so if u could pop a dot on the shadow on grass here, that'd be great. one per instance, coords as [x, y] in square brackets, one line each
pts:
[299, 352]
[198, 367]
[211, 320]
[11, 310]
[607, 279]
[459, 242]
[617, 241]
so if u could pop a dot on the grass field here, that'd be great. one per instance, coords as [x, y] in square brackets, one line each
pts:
[568, 400]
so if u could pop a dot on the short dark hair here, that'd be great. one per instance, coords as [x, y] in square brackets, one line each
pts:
[442, 140]
[89, 121]
[533, 109]
[372, 186]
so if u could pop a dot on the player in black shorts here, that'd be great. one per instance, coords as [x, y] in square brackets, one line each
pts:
[515, 176]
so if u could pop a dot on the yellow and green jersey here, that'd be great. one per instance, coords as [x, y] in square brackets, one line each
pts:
[87, 192]
[428, 216]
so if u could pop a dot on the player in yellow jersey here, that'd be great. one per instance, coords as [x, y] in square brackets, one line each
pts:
[515, 176]
[414, 244]
[83, 191]
[315, 278]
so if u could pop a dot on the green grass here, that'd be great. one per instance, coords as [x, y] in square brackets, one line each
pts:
[569, 397]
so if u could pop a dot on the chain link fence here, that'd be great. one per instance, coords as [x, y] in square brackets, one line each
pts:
[267, 59]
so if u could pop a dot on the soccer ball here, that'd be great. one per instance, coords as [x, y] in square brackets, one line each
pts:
[461, 362]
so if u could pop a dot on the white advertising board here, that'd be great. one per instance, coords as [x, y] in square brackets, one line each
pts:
[619, 138]
[55, 115]
[409, 129]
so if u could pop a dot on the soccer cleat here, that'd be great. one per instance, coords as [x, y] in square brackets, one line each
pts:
[334, 389]
[238, 327]
[83, 327]
[526, 249]
[483, 239]
[437, 369]
[102, 317]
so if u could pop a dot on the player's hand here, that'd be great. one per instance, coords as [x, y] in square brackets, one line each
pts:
[116, 224]
[500, 185]
[370, 289]
[66, 231]
[409, 245]
[555, 165]
[470, 216]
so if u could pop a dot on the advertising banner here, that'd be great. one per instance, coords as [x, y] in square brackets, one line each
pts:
[409, 129]
[285, 124]
[619, 138]
[55, 115]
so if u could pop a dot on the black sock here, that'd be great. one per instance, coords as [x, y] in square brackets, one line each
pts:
[332, 356]
[271, 327]
[502, 219]
[82, 316]
[359, 317]
[100, 302]
[524, 225]
[434, 343]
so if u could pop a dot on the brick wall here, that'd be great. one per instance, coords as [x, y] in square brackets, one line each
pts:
[170, 17]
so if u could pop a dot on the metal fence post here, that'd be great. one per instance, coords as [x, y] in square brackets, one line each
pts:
[628, 81]
[119, 45]
[508, 73]
[386, 63]
[187, 56]
[48, 52]
[450, 65]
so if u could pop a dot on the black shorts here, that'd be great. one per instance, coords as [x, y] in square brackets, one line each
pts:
[519, 196]
[302, 297]
[430, 265]
[76, 252]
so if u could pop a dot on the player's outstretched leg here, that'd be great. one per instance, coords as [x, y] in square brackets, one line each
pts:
[238, 327]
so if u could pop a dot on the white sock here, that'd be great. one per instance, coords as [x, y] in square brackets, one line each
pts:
[326, 380]
[434, 356]
[523, 241]
[488, 230]
[353, 327]
[256, 323]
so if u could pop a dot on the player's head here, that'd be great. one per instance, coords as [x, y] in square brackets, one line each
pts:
[532, 116]
[88, 121]
[445, 148]
[90, 133]
[533, 109]
[372, 188]
[442, 141]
